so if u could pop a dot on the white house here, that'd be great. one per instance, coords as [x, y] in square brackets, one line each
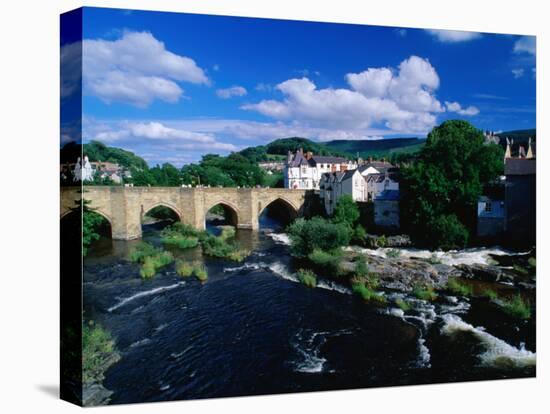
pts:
[304, 171]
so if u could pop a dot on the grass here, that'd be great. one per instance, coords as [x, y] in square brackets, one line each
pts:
[200, 273]
[327, 260]
[368, 294]
[403, 304]
[425, 293]
[393, 253]
[517, 307]
[228, 233]
[181, 242]
[490, 294]
[98, 351]
[459, 288]
[184, 269]
[307, 277]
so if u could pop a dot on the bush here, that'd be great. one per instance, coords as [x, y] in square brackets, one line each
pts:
[459, 288]
[98, 348]
[447, 233]
[228, 233]
[517, 307]
[184, 269]
[403, 304]
[368, 294]
[307, 277]
[393, 253]
[150, 258]
[425, 293]
[200, 273]
[317, 233]
[181, 242]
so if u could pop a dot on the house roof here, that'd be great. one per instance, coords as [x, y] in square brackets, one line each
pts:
[321, 159]
[520, 166]
[381, 166]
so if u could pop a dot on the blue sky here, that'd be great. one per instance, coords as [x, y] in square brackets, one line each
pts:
[172, 87]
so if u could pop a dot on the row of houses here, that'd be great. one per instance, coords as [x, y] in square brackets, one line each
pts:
[365, 181]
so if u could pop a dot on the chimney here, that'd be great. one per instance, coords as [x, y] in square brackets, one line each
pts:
[301, 151]
[289, 156]
[309, 154]
[529, 150]
[508, 153]
[370, 159]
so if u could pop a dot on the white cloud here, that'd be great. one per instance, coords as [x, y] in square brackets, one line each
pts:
[402, 100]
[453, 36]
[456, 107]
[136, 69]
[230, 92]
[518, 73]
[526, 44]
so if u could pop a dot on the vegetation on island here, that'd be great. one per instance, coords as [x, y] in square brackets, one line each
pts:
[182, 236]
[425, 292]
[150, 258]
[459, 288]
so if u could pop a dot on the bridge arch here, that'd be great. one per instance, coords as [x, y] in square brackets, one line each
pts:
[279, 208]
[146, 209]
[231, 212]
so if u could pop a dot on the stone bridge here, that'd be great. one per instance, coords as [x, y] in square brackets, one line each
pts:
[124, 207]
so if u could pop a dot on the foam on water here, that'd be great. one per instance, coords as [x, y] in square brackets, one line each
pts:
[281, 238]
[452, 257]
[498, 353]
[424, 356]
[246, 266]
[329, 285]
[154, 291]
[308, 346]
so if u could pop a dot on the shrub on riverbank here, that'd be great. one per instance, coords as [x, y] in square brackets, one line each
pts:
[459, 288]
[98, 352]
[517, 307]
[393, 253]
[141, 251]
[329, 261]
[307, 277]
[425, 293]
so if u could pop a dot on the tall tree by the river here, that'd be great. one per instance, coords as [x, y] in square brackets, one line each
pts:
[440, 190]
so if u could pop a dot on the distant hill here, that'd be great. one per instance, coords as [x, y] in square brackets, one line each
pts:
[377, 148]
[97, 151]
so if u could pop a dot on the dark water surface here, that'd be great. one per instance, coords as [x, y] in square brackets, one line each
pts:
[252, 329]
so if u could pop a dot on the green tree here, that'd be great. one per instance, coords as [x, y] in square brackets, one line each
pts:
[440, 190]
[317, 233]
[346, 211]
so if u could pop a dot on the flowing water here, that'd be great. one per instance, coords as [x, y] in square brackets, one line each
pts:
[253, 329]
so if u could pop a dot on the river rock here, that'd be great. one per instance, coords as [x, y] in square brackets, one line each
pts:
[94, 394]
[405, 274]
[486, 273]
[402, 240]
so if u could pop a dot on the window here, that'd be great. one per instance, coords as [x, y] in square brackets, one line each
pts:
[488, 207]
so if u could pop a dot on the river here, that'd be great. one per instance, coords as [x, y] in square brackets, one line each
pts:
[253, 329]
